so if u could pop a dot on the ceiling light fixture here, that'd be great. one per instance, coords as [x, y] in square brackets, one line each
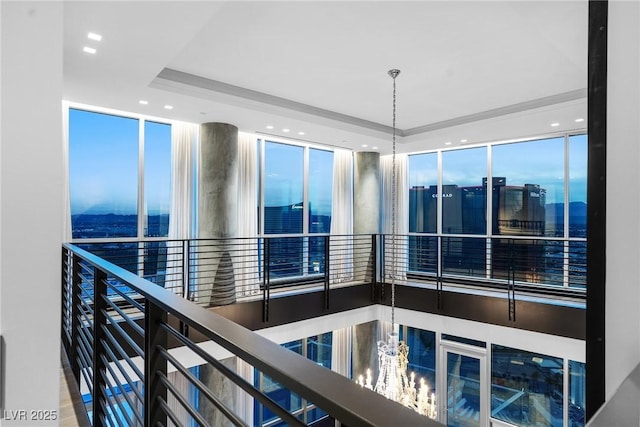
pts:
[143, 102]
[364, 145]
[94, 36]
[269, 127]
[168, 107]
[301, 133]
[285, 130]
[579, 120]
[375, 148]
[555, 124]
[463, 140]
[447, 143]
[393, 356]
[90, 50]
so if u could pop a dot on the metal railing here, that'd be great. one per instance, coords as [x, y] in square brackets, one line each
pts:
[117, 328]
[221, 271]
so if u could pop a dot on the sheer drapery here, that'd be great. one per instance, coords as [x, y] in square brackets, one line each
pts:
[184, 139]
[341, 242]
[341, 351]
[402, 213]
[246, 264]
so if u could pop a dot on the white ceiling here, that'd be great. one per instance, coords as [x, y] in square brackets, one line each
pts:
[477, 70]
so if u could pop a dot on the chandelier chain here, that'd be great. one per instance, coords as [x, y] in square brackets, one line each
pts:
[393, 73]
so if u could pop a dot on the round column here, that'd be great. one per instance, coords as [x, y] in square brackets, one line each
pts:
[366, 210]
[217, 212]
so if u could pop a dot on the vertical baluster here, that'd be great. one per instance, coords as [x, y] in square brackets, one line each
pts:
[154, 365]
[76, 283]
[99, 368]
[266, 280]
[326, 272]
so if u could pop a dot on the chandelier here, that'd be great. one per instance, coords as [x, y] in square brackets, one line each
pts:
[393, 355]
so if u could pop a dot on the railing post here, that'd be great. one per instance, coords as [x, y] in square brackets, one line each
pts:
[99, 368]
[511, 280]
[186, 275]
[186, 269]
[326, 271]
[378, 247]
[266, 279]
[439, 269]
[155, 367]
[76, 282]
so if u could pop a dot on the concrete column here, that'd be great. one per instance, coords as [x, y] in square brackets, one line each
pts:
[223, 388]
[365, 349]
[217, 212]
[366, 209]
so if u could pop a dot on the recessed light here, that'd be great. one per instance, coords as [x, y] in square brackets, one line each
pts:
[168, 107]
[300, 133]
[143, 102]
[555, 124]
[579, 120]
[285, 130]
[94, 36]
[463, 140]
[364, 145]
[447, 143]
[269, 127]
[375, 148]
[88, 49]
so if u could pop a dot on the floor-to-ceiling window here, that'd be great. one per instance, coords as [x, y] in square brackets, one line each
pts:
[529, 226]
[119, 186]
[315, 348]
[296, 193]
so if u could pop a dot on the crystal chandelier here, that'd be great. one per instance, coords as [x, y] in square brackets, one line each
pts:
[393, 356]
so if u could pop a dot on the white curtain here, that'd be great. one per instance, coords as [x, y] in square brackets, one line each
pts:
[341, 242]
[402, 212]
[341, 348]
[184, 139]
[247, 261]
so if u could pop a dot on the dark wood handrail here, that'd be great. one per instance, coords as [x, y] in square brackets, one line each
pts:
[339, 396]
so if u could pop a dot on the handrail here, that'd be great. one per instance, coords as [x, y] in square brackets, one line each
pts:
[342, 398]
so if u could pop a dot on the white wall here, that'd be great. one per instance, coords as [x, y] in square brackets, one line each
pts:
[31, 177]
[623, 193]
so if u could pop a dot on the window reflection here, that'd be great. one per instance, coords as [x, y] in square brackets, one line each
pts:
[526, 388]
[528, 188]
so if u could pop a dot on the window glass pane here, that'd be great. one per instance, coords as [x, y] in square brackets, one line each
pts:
[463, 390]
[103, 175]
[283, 188]
[577, 398]
[578, 264]
[578, 186]
[423, 254]
[320, 190]
[422, 354]
[526, 388]
[464, 256]
[423, 189]
[530, 261]
[528, 188]
[464, 195]
[319, 350]
[157, 178]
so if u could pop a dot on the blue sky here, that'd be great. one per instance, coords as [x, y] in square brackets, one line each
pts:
[103, 164]
[103, 167]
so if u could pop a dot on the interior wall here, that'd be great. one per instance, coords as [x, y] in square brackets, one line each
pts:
[31, 179]
[623, 194]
